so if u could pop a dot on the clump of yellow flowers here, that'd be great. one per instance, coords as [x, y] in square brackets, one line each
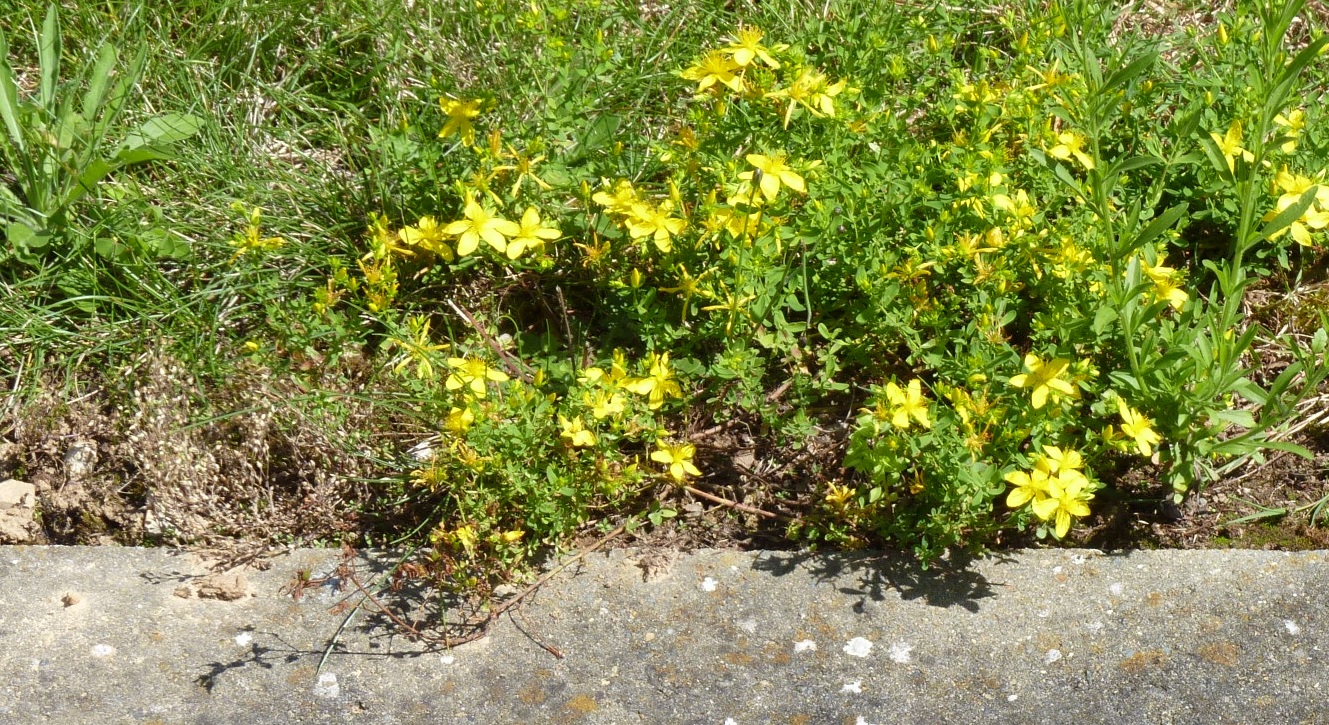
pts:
[1056, 488]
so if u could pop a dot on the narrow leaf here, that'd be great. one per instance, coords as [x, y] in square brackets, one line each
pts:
[1285, 218]
[1160, 224]
[9, 98]
[49, 57]
[97, 82]
[139, 154]
[1127, 74]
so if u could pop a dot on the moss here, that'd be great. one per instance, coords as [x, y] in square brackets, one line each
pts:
[1281, 535]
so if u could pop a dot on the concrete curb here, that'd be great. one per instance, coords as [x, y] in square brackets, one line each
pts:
[102, 635]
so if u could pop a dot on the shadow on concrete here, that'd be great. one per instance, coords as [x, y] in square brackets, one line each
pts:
[951, 583]
[280, 653]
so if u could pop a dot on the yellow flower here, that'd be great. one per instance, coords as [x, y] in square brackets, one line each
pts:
[1029, 486]
[464, 537]
[459, 421]
[1058, 460]
[459, 115]
[774, 173]
[621, 201]
[427, 235]
[657, 384]
[1229, 145]
[471, 373]
[714, 67]
[1294, 122]
[603, 404]
[574, 433]
[417, 348]
[1316, 217]
[1072, 144]
[727, 219]
[479, 224]
[1137, 426]
[1166, 285]
[747, 47]
[252, 240]
[1066, 497]
[1044, 378]
[908, 404]
[839, 496]
[524, 168]
[812, 90]
[678, 458]
[654, 222]
[531, 234]
[1019, 207]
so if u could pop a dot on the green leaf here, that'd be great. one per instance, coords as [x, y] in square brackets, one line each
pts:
[1267, 513]
[598, 134]
[1104, 317]
[1287, 216]
[1131, 164]
[163, 130]
[1160, 224]
[49, 57]
[1125, 75]
[1065, 177]
[9, 98]
[87, 181]
[25, 238]
[98, 80]
[1236, 417]
[1303, 59]
[1216, 158]
[138, 155]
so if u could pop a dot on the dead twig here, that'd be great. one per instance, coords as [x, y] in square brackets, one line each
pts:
[511, 363]
[734, 504]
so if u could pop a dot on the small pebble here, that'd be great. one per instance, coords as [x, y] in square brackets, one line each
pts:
[708, 584]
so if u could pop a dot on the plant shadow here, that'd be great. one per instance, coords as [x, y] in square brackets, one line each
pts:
[951, 583]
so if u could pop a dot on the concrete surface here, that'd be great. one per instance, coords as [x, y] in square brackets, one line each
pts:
[102, 635]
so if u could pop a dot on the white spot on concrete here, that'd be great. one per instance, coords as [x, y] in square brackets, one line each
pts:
[858, 647]
[901, 652]
[1292, 627]
[861, 721]
[805, 645]
[1012, 698]
[327, 686]
[748, 625]
[1094, 627]
[1056, 570]
[708, 584]
[1079, 559]
[853, 688]
[1044, 613]
[604, 610]
[447, 659]
[730, 721]
[1116, 589]
[1052, 656]
[243, 639]
[102, 650]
